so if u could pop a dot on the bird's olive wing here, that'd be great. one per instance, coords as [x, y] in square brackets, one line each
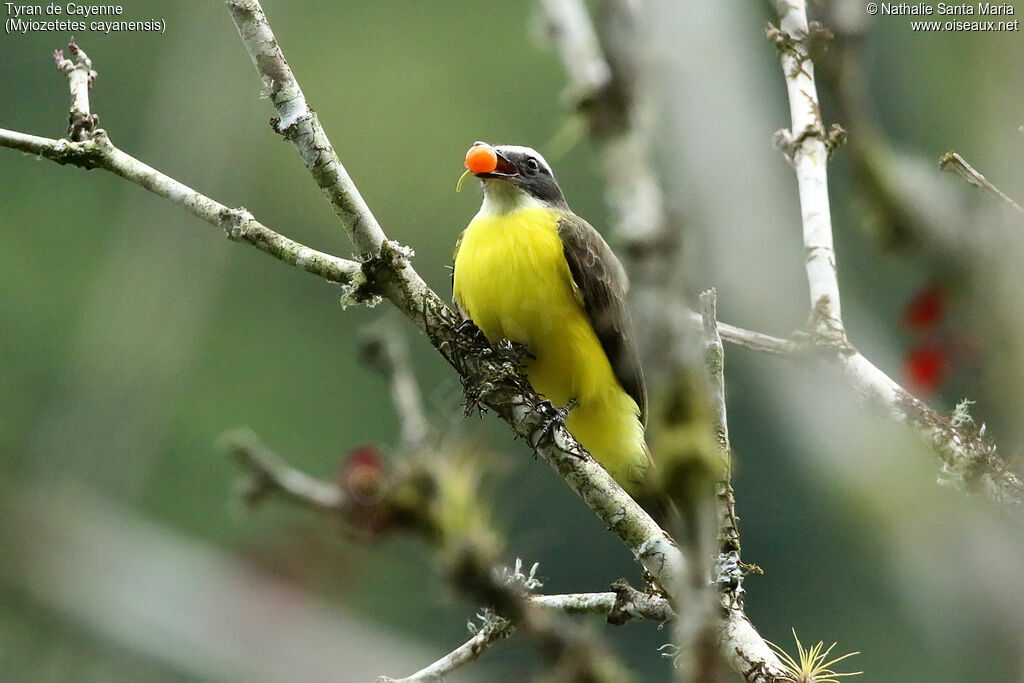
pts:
[602, 283]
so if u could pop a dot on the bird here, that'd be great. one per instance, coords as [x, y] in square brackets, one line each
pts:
[530, 271]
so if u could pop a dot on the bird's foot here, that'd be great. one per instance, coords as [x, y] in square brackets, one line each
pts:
[468, 329]
[554, 417]
[513, 352]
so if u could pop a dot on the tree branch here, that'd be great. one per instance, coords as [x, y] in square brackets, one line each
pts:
[383, 348]
[237, 223]
[755, 341]
[638, 605]
[806, 147]
[429, 497]
[571, 30]
[492, 378]
[299, 124]
[621, 605]
[81, 122]
[714, 374]
[954, 163]
[266, 474]
[969, 458]
[494, 628]
[740, 643]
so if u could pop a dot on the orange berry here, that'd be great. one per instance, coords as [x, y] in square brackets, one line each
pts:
[481, 158]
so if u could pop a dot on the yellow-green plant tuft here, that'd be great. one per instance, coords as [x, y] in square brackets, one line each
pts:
[812, 664]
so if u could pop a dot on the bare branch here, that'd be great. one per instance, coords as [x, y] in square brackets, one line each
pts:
[714, 373]
[384, 349]
[299, 124]
[493, 629]
[573, 33]
[621, 605]
[969, 458]
[954, 163]
[81, 123]
[626, 604]
[914, 209]
[266, 474]
[806, 147]
[755, 341]
[740, 643]
[238, 224]
[573, 653]
[747, 652]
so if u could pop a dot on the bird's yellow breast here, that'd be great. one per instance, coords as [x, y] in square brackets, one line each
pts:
[512, 279]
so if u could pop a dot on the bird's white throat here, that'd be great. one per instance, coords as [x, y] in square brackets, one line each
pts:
[501, 197]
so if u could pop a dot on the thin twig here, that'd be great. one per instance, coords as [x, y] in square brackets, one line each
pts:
[571, 652]
[714, 364]
[638, 605]
[954, 163]
[755, 341]
[238, 224]
[81, 122]
[577, 603]
[266, 474]
[383, 347]
[493, 629]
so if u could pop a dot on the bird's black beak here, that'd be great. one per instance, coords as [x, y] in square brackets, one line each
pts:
[504, 169]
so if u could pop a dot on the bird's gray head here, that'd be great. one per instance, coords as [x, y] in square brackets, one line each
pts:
[521, 179]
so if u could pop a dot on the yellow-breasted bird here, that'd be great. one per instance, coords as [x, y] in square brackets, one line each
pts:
[529, 270]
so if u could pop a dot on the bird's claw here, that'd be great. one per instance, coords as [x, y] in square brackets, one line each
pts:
[469, 329]
[554, 418]
[513, 352]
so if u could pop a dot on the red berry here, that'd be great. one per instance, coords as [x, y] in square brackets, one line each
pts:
[925, 308]
[925, 367]
[361, 474]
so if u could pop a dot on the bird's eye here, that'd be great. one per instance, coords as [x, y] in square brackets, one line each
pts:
[531, 165]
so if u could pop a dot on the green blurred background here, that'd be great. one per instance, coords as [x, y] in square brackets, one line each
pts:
[132, 336]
